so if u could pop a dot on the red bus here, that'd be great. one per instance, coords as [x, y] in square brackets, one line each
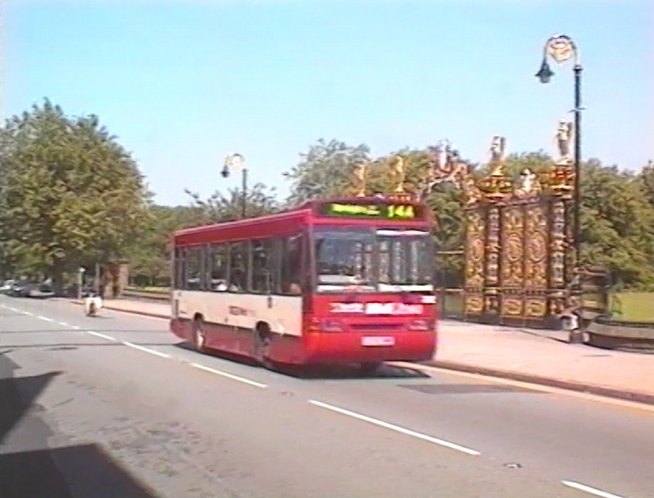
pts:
[332, 281]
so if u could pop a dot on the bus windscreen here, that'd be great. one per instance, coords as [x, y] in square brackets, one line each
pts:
[371, 260]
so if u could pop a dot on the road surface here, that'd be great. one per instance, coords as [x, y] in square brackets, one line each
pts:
[115, 406]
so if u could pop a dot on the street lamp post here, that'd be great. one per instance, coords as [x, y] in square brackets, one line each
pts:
[236, 162]
[80, 281]
[561, 48]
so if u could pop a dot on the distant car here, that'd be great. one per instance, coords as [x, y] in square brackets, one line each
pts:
[30, 289]
[19, 289]
[6, 286]
[42, 290]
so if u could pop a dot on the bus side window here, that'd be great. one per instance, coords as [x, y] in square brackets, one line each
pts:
[238, 267]
[262, 253]
[194, 268]
[292, 265]
[217, 268]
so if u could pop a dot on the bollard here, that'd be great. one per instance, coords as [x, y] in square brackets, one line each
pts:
[570, 322]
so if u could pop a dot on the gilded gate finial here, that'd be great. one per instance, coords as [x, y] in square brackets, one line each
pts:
[564, 136]
[398, 174]
[496, 185]
[561, 176]
[497, 151]
[360, 174]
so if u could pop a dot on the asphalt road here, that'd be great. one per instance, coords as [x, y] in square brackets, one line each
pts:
[114, 406]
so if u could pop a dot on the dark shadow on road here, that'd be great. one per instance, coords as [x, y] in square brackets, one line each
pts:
[74, 471]
[244, 360]
[17, 394]
[352, 372]
[321, 372]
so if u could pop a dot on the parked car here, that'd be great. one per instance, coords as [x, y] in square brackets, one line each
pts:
[19, 289]
[42, 290]
[6, 286]
[31, 289]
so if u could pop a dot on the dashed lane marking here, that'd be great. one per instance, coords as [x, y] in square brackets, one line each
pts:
[396, 428]
[229, 376]
[589, 489]
[145, 350]
[103, 336]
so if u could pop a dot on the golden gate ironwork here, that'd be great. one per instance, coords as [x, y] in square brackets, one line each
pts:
[518, 254]
[518, 257]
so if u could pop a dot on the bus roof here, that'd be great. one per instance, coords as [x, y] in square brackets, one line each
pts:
[337, 211]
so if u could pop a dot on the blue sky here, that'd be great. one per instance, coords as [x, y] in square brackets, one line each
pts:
[183, 84]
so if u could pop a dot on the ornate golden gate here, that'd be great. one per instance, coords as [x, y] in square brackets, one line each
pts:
[518, 256]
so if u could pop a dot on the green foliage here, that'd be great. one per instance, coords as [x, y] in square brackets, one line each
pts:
[537, 162]
[219, 208]
[150, 254]
[69, 193]
[646, 179]
[616, 222]
[325, 171]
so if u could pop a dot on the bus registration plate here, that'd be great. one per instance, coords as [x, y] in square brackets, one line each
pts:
[378, 341]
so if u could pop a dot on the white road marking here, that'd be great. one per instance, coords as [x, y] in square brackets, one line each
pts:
[64, 324]
[46, 319]
[591, 490]
[75, 327]
[229, 376]
[103, 336]
[396, 428]
[145, 350]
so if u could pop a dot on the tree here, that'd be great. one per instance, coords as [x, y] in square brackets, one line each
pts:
[150, 253]
[616, 221]
[325, 171]
[70, 195]
[218, 207]
[537, 162]
[646, 179]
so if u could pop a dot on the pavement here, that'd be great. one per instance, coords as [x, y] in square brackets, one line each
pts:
[529, 355]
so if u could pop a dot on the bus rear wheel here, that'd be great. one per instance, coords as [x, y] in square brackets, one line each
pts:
[199, 338]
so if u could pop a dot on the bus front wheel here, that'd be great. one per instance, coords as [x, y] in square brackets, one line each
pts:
[262, 340]
[199, 339]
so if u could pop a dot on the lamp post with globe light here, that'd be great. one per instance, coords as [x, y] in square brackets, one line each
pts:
[561, 48]
[237, 162]
[80, 281]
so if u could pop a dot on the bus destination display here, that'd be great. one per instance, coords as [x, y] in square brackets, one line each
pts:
[384, 211]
